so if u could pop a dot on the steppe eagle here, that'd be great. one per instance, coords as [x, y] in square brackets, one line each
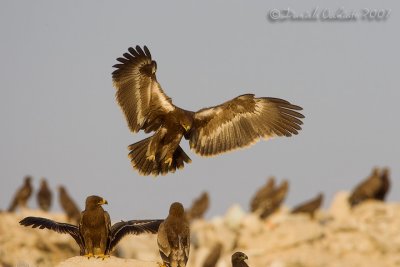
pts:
[237, 123]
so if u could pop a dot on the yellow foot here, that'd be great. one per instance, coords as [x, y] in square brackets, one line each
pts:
[151, 157]
[168, 162]
[102, 256]
[89, 255]
[161, 264]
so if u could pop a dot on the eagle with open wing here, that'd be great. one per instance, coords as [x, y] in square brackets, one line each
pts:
[237, 123]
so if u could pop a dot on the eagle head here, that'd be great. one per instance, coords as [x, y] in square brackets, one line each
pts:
[149, 69]
[95, 201]
[186, 122]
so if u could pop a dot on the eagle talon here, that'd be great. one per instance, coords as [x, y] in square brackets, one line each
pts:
[151, 157]
[161, 264]
[168, 162]
[103, 256]
[89, 255]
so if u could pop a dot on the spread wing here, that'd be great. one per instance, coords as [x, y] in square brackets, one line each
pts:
[134, 227]
[62, 228]
[107, 221]
[241, 122]
[138, 93]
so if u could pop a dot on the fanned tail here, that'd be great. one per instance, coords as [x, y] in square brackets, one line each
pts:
[146, 165]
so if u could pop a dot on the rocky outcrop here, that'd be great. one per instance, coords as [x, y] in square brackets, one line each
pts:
[366, 236]
[108, 262]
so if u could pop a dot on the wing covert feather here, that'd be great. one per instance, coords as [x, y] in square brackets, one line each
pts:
[162, 240]
[241, 122]
[138, 93]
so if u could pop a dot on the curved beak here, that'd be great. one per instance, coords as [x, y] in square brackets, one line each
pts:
[103, 201]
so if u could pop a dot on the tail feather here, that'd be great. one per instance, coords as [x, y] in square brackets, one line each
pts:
[147, 166]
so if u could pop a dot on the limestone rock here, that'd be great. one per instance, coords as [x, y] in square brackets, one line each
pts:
[80, 261]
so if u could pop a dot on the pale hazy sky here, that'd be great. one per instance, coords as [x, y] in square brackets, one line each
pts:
[60, 120]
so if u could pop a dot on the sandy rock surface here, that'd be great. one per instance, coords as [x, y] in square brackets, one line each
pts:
[366, 236]
[109, 262]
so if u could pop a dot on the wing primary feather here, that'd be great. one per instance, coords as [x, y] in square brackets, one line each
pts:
[133, 51]
[122, 60]
[147, 52]
[140, 51]
[128, 56]
[277, 100]
[291, 112]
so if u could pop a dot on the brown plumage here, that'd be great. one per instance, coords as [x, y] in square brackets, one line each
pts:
[69, 205]
[375, 187]
[213, 256]
[199, 207]
[310, 206]
[174, 237]
[44, 196]
[22, 195]
[95, 226]
[385, 185]
[94, 234]
[274, 201]
[263, 193]
[237, 123]
[238, 259]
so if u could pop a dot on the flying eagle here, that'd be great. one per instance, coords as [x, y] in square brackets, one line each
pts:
[237, 123]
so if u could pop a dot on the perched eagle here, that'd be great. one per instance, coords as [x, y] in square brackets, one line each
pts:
[174, 237]
[22, 195]
[310, 207]
[237, 123]
[238, 259]
[376, 186]
[44, 197]
[94, 234]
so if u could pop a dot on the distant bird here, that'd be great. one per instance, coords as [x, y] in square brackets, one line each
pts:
[174, 237]
[199, 207]
[213, 256]
[263, 193]
[44, 196]
[272, 204]
[237, 123]
[310, 206]
[95, 235]
[374, 187]
[385, 185]
[238, 259]
[69, 205]
[22, 195]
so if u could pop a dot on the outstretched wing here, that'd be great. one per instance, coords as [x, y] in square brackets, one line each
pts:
[134, 227]
[241, 122]
[138, 93]
[62, 228]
